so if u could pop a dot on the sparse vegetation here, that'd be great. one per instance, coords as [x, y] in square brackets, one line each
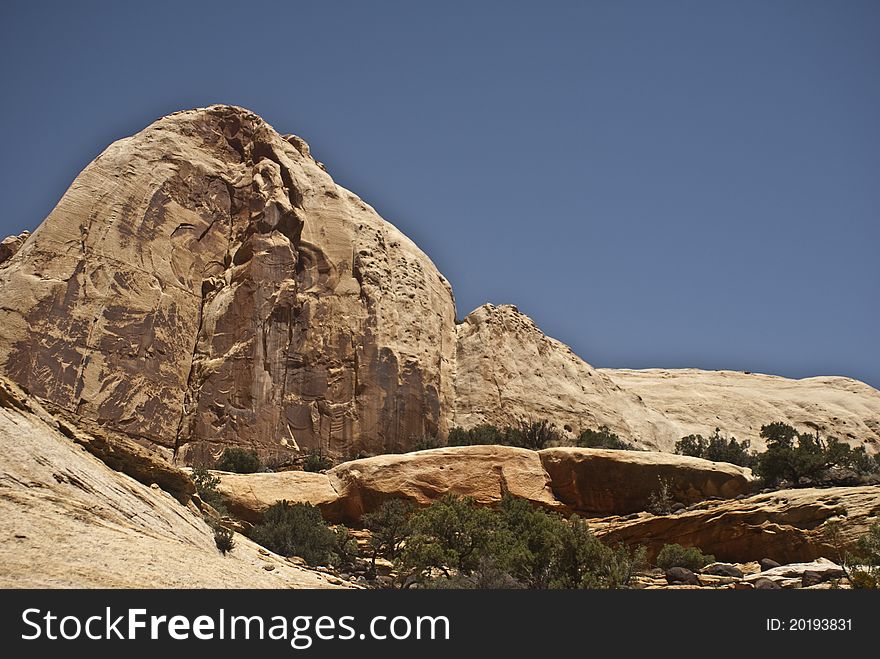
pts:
[532, 434]
[660, 501]
[297, 529]
[456, 544]
[316, 461]
[603, 438]
[239, 460]
[206, 487]
[864, 566]
[223, 538]
[675, 555]
[804, 459]
[426, 442]
[389, 528]
[717, 448]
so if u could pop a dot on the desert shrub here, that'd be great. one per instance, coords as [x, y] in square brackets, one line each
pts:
[455, 544]
[603, 438]
[450, 536]
[316, 461]
[389, 528]
[206, 487]
[223, 538]
[804, 457]
[426, 442]
[239, 460]
[864, 569]
[533, 435]
[585, 562]
[716, 448]
[297, 529]
[675, 555]
[536, 435]
[482, 434]
[660, 501]
[345, 547]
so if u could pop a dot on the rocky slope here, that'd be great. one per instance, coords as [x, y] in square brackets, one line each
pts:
[68, 520]
[206, 283]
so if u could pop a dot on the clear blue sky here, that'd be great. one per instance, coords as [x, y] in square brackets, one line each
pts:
[655, 183]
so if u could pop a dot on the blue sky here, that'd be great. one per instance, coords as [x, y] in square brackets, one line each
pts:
[656, 183]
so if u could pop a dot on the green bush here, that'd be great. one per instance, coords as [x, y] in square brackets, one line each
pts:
[239, 460]
[426, 442]
[537, 435]
[223, 538]
[792, 457]
[533, 435]
[716, 448]
[660, 501]
[677, 556]
[603, 438]
[206, 487]
[455, 544]
[480, 435]
[297, 529]
[389, 528]
[864, 566]
[316, 461]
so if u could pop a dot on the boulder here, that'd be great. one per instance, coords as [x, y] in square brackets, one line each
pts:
[248, 496]
[681, 576]
[611, 482]
[723, 570]
[484, 473]
[768, 564]
[787, 526]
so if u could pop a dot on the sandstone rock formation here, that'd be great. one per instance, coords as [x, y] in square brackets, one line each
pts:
[68, 520]
[206, 283]
[11, 244]
[587, 481]
[787, 526]
[484, 473]
[599, 482]
[248, 496]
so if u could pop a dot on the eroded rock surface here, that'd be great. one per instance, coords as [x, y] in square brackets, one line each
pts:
[606, 482]
[787, 526]
[205, 283]
[68, 520]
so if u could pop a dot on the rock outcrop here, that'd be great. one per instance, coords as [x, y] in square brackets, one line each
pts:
[205, 283]
[587, 481]
[787, 526]
[248, 496]
[10, 245]
[602, 482]
[484, 473]
[68, 520]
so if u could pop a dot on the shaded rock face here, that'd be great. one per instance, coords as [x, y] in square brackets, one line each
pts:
[205, 283]
[596, 481]
[786, 526]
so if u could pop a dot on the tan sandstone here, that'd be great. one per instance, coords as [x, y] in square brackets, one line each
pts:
[787, 525]
[609, 482]
[67, 520]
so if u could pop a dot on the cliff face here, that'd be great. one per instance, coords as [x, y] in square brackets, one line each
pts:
[206, 283]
